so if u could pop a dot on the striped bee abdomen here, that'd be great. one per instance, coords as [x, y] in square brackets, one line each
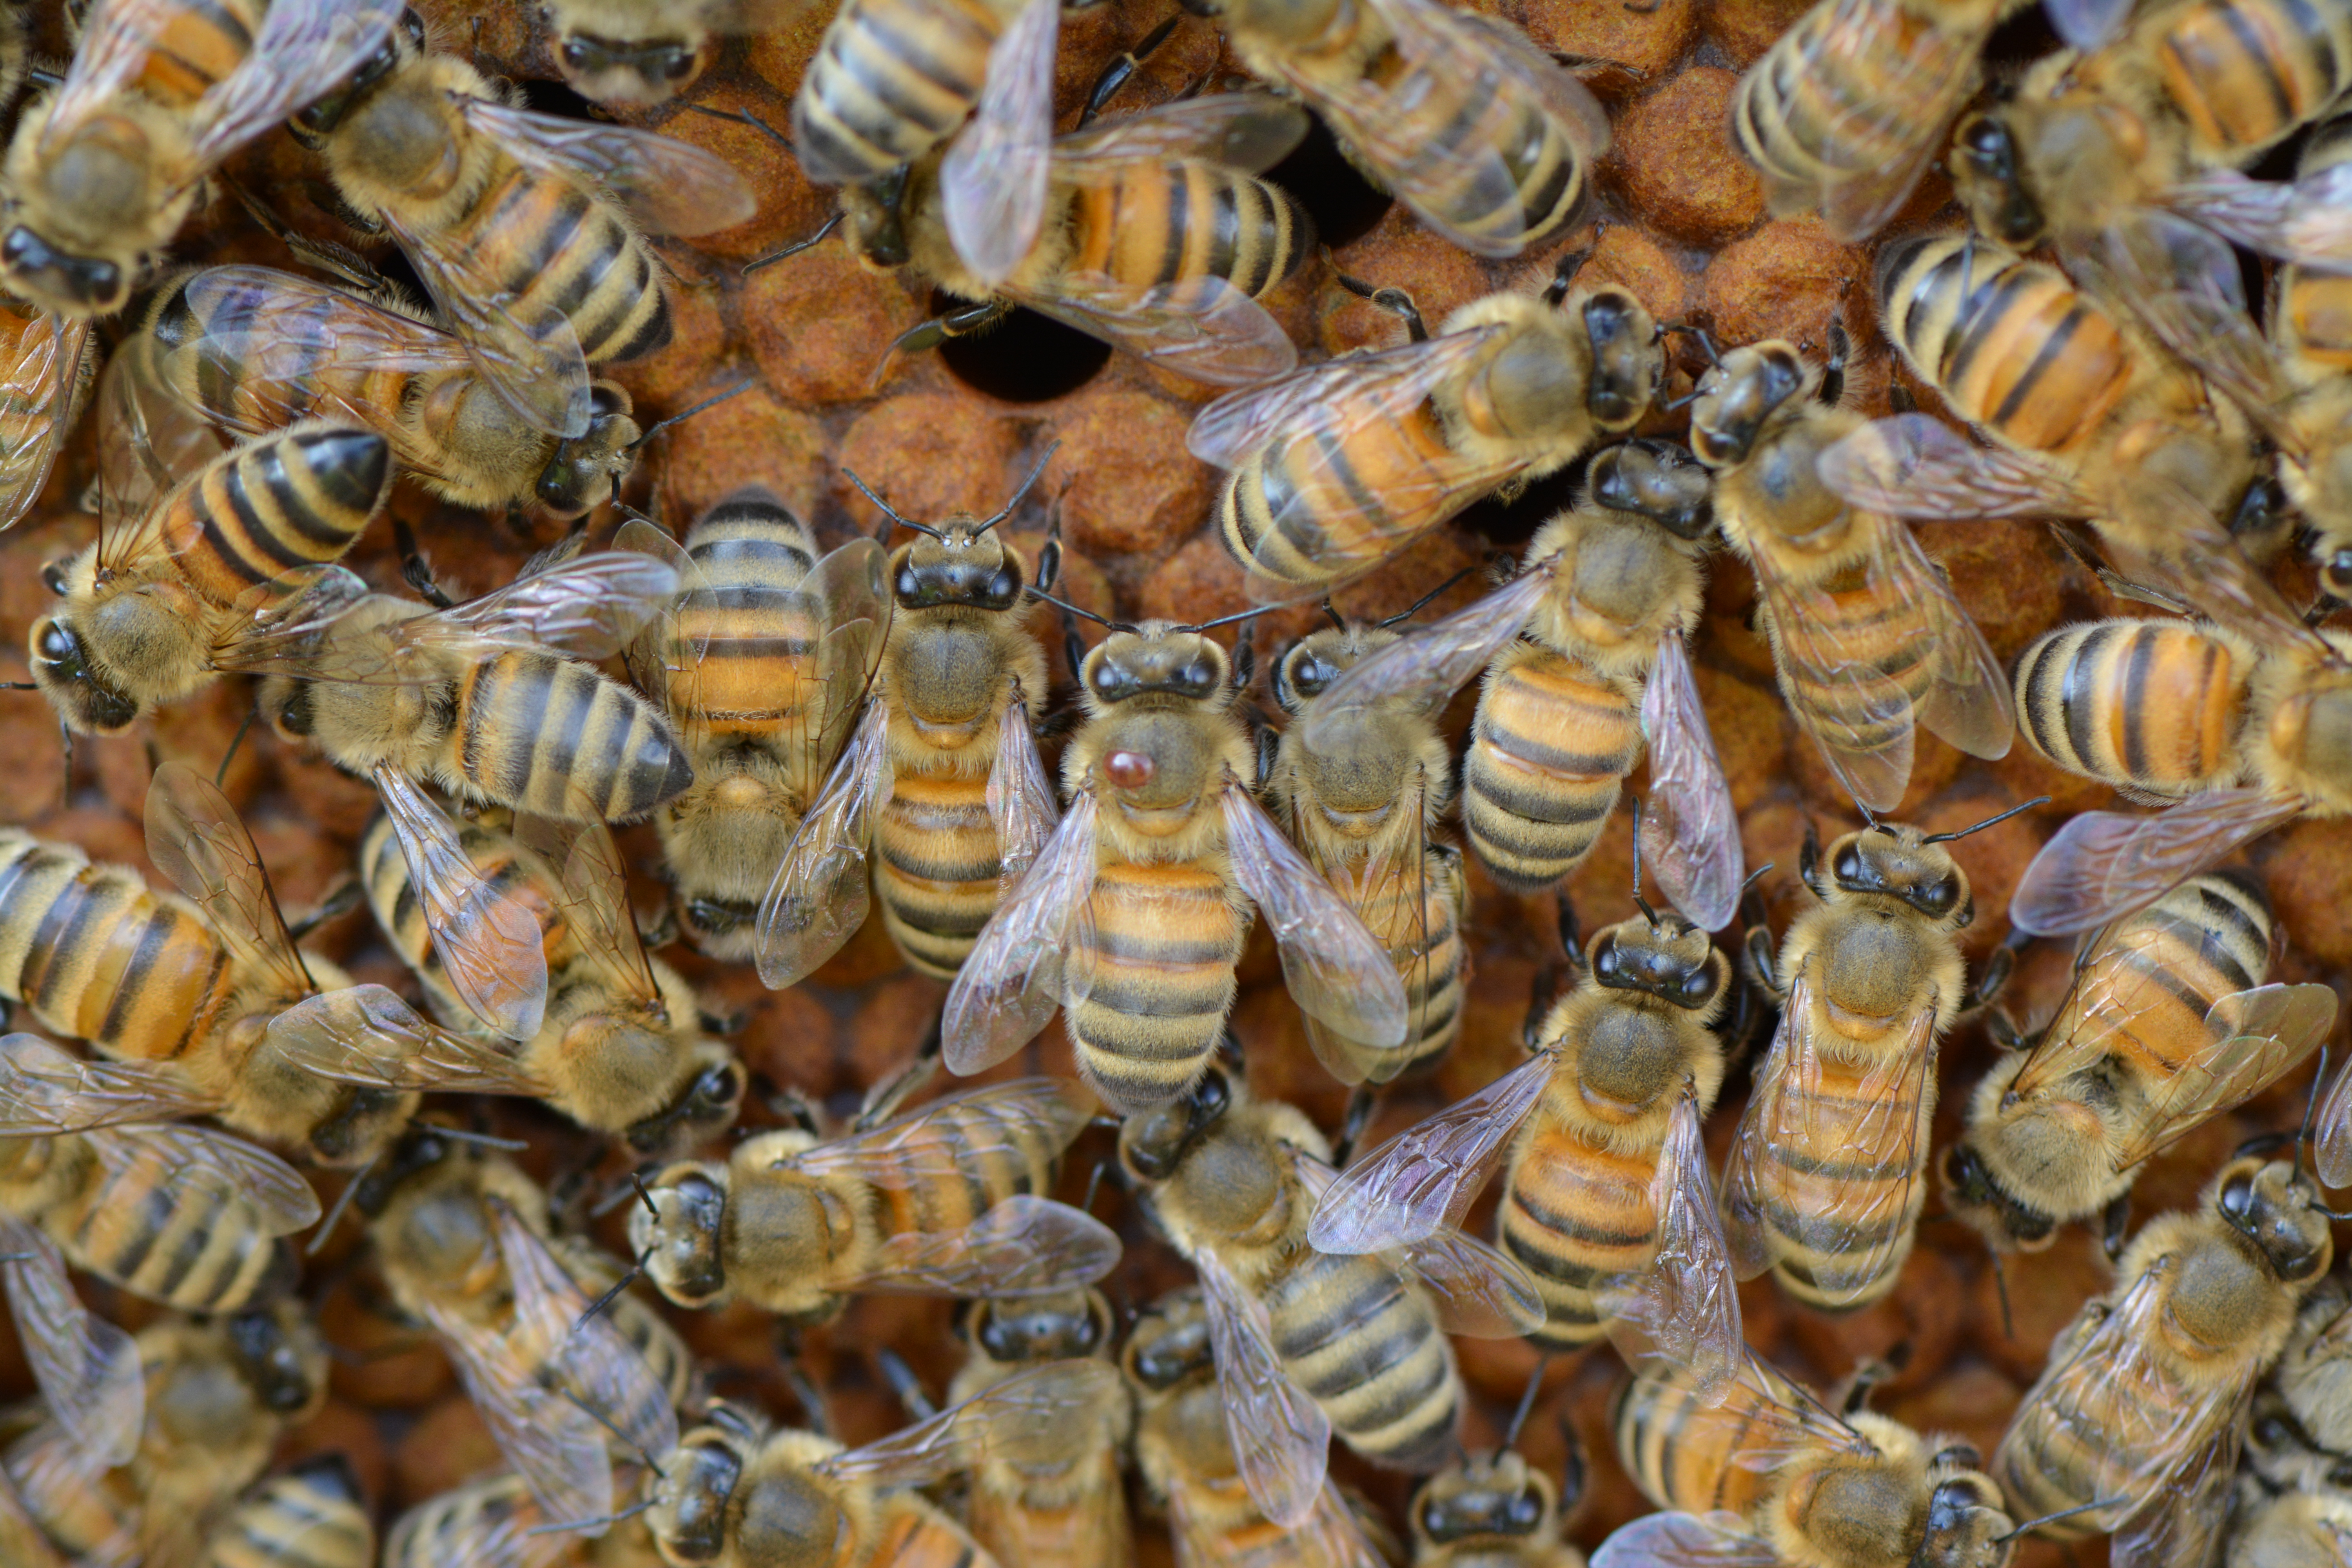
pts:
[963, 1161]
[561, 249]
[1883, 631]
[2154, 704]
[133, 1221]
[914, 1535]
[2247, 74]
[1682, 1453]
[311, 1517]
[1414, 912]
[1158, 224]
[1167, 938]
[554, 737]
[1451, 175]
[273, 506]
[936, 869]
[743, 640]
[1363, 1340]
[193, 48]
[1549, 751]
[508, 874]
[1574, 1216]
[2312, 315]
[892, 79]
[2149, 987]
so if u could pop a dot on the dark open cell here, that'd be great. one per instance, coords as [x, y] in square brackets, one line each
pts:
[1024, 358]
[1344, 205]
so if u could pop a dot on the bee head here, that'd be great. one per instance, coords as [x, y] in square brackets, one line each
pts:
[1740, 395]
[586, 471]
[1154, 659]
[707, 1105]
[1169, 1342]
[679, 1229]
[1666, 959]
[424, 1147]
[1656, 480]
[85, 699]
[1152, 1143]
[962, 564]
[691, 1494]
[1320, 657]
[1973, 1195]
[2274, 1205]
[1988, 175]
[1626, 360]
[1067, 1324]
[638, 72]
[1494, 1495]
[1898, 862]
[277, 1354]
[1967, 1522]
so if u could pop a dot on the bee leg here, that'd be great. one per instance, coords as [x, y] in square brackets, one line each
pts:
[1363, 1101]
[2072, 540]
[2002, 1030]
[337, 904]
[1994, 978]
[345, 265]
[795, 1107]
[805, 1393]
[1395, 301]
[905, 1384]
[414, 569]
[1269, 746]
[1833, 390]
[883, 1100]
[2114, 1225]
[931, 334]
[1853, 1393]
[1123, 66]
[1229, 1046]
[1563, 276]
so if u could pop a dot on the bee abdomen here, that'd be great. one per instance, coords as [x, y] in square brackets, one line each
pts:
[307, 1518]
[1167, 938]
[1364, 1342]
[914, 1536]
[193, 50]
[1846, 1166]
[2156, 704]
[1549, 184]
[1416, 919]
[2246, 74]
[563, 250]
[1159, 223]
[134, 1223]
[1285, 515]
[891, 79]
[1574, 1216]
[275, 505]
[554, 737]
[1681, 1455]
[1883, 632]
[1549, 751]
[963, 1162]
[937, 870]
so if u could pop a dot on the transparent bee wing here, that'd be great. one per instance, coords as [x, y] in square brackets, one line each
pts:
[555, 1446]
[2103, 865]
[1690, 835]
[2307, 220]
[87, 1368]
[147, 441]
[1022, 1419]
[1915, 466]
[994, 180]
[117, 37]
[491, 947]
[281, 626]
[1479, 1293]
[1025, 1246]
[42, 373]
[304, 51]
[1780, 1422]
[660, 663]
[1003, 1117]
[586, 1357]
[2086, 25]
[1251, 132]
[2331, 1134]
[589, 607]
[1203, 327]
[528, 352]
[2258, 1037]
[366, 1035]
[188, 1160]
[2172, 540]
[849, 583]
[1683, 1311]
[818, 897]
[2183, 1524]
[1425, 668]
[1426, 1177]
[666, 185]
[1021, 805]
[491, 1528]
[1969, 704]
[1388, 383]
[194, 837]
[1038, 944]
[44, 1090]
[50, 1476]
[1684, 1540]
[592, 896]
[1744, 1173]
[23, 1541]
[1280, 1436]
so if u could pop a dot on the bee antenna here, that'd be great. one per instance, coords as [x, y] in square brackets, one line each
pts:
[886, 512]
[644, 1197]
[570, 1525]
[1036, 592]
[711, 402]
[1423, 603]
[1640, 902]
[2001, 1288]
[1988, 822]
[2310, 1104]
[512, 1145]
[1527, 1401]
[251, 713]
[18, 686]
[796, 246]
[1337, 622]
[2054, 1518]
[1006, 510]
[596, 1309]
[1866, 816]
[335, 1213]
[1756, 876]
[605, 1421]
[1230, 620]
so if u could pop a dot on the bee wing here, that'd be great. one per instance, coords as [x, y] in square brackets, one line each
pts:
[2086, 25]
[23, 1541]
[1426, 1177]
[528, 352]
[1024, 1419]
[593, 897]
[491, 947]
[1479, 1292]
[47, 1090]
[818, 897]
[1251, 132]
[658, 663]
[849, 583]
[2103, 865]
[1969, 704]
[87, 1368]
[200, 1161]
[1336, 969]
[2176, 543]
[281, 626]
[1385, 384]
[587, 1356]
[1684, 1540]
[2258, 1038]
[1201, 327]
[1034, 951]
[1915, 466]
[1427, 668]
[1012, 1118]
[2307, 220]
[993, 179]
[588, 607]
[1025, 1246]
[1690, 835]
[1683, 1311]
[117, 37]
[48, 1475]
[147, 441]
[1744, 1173]
[666, 185]
[2181, 1526]
[556, 1447]
[1020, 795]
[42, 372]
[1281, 1438]
[2331, 1134]
[305, 49]
[194, 837]
[365, 1035]
[482, 1535]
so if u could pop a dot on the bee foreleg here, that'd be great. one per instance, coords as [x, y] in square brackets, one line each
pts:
[2114, 1224]
[905, 1384]
[1363, 1102]
[1395, 301]
[414, 569]
[1123, 66]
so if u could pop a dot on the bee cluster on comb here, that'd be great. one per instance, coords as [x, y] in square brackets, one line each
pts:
[858, 783]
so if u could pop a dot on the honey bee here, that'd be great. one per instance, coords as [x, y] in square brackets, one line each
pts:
[87, 1368]
[2331, 1139]
[619, 1048]
[1771, 1474]
[1846, 111]
[461, 1237]
[2295, 1530]
[941, 785]
[2167, 1022]
[2293, 1503]
[493, 699]
[945, 1201]
[45, 375]
[1186, 1455]
[1340, 466]
[1492, 1511]
[761, 662]
[1132, 916]
[2311, 346]
[1607, 1203]
[1308, 1342]
[1866, 635]
[1476, 129]
[495, 1522]
[1157, 238]
[1587, 665]
[2135, 1423]
[739, 1494]
[60, 1508]
[1822, 1186]
[256, 350]
[312, 1516]
[1067, 1509]
[101, 171]
[525, 228]
[638, 53]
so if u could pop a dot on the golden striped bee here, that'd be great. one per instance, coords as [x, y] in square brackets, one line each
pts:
[101, 170]
[761, 661]
[941, 789]
[495, 1522]
[1472, 127]
[60, 1507]
[1867, 637]
[1606, 1203]
[948, 1200]
[256, 350]
[2294, 1502]
[1186, 1458]
[740, 1494]
[2167, 1022]
[638, 54]
[1846, 111]
[1586, 668]
[2311, 345]
[45, 374]
[312, 1516]
[1340, 466]
[461, 1237]
[86, 1368]
[2135, 1423]
[1309, 1343]
[1132, 915]
[1493, 1510]
[1771, 1474]
[525, 228]
[1823, 1183]
[1155, 236]
[494, 699]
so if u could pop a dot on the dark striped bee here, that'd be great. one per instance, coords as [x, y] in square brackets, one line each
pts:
[638, 54]
[312, 1516]
[495, 1522]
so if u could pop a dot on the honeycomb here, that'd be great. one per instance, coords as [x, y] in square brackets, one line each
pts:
[1681, 221]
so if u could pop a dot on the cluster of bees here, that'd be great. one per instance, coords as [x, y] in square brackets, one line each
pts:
[817, 737]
